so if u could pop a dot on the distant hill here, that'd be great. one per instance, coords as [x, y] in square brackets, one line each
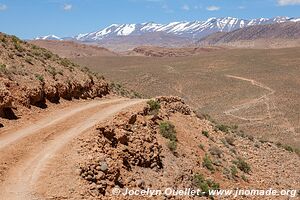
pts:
[152, 51]
[271, 35]
[69, 49]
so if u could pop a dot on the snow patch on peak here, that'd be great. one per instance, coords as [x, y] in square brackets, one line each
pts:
[48, 37]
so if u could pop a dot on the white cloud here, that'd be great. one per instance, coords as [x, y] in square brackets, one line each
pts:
[241, 7]
[185, 7]
[67, 7]
[3, 7]
[213, 8]
[288, 2]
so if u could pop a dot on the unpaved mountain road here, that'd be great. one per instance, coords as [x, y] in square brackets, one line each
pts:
[26, 151]
[263, 99]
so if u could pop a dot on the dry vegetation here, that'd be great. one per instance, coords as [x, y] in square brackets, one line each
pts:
[216, 82]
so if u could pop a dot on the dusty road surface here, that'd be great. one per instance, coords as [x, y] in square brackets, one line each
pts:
[25, 152]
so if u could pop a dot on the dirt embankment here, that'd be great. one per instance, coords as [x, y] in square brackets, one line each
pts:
[163, 144]
[30, 76]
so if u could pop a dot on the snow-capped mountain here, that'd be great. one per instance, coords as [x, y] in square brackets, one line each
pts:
[140, 34]
[196, 29]
[48, 37]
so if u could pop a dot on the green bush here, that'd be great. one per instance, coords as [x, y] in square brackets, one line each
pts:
[40, 78]
[234, 171]
[201, 146]
[223, 128]
[172, 145]
[15, 39]
[167, 130]
[207, 163]
[205, 184]
[3, 68]
[154, 106]
[52, 71]
[205, 133]
[242, 165]
[19, 47]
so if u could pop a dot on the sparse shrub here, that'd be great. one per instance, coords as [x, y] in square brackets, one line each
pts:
[29, 60]
[47, 55]
[235, 127]
[119, 89]
[244, 178]
[207, 163]
[68, 64]
[154, 106]
[60, 72]
[167, 130]
[205, 116]
[52, 71]
[19, 47]
[205, 133]
[3, 68]
[15, 39]
[223, 128]
[34, 47]
[288, 148]
[201, 146]
[205, 184]
[234, 171]
[40, 78]
[230, 140]
[172, 145]
[224, 142]
[216, 151]
[233, 151]
[3, 39]
[242, 165]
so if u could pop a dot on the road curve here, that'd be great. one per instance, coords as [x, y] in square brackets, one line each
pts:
[21, 177]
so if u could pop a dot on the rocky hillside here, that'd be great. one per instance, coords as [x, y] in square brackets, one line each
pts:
[284, 34]
[163, 144]
[69, 49]
[31, 76]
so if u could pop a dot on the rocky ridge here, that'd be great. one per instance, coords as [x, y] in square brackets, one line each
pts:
[164, 144]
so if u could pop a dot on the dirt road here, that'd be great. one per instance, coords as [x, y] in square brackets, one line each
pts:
[25, 151]
[263, 99]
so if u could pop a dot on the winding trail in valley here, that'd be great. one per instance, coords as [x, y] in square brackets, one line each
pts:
[263, 99]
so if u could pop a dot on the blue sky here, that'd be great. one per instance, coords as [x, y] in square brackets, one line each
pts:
[31, 18]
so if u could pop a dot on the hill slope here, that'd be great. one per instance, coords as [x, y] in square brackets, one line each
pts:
[69, 49]
[30, 75]
[282, 35]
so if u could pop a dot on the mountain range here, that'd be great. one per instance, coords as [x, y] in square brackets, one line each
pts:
[262, 36]
[195, 29]
[129, 36]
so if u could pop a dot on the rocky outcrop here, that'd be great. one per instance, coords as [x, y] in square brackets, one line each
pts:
[5, 96]
[30, 75]
[173, 148]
